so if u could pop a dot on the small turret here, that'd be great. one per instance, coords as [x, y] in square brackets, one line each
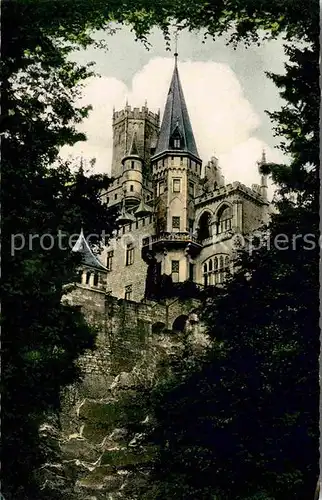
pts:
[263, 184]
[132, 175]
[213, 175]
[92, 272]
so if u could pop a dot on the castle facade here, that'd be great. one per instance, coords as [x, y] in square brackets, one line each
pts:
[178, 220]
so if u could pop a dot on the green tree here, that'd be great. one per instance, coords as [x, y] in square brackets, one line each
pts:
[41, 337]
[243, 424]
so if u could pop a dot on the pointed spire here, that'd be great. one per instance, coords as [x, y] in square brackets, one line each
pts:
[176, 131]
[88, 258]
[263, 157]
[133, 147]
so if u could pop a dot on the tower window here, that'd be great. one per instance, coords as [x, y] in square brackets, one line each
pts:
[109, 260]
[160, 188]
[215, 272]
[175, 271]
[191, 189]
[132, 164]
[176, 186]
[176, 143]
[224, 220]
[191, 271]
[204, 226]
[129, 254]
[131, 187]
[128, 292]
[115, 197]
[176, 223]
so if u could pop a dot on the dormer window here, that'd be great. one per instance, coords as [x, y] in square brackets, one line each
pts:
[176, 143]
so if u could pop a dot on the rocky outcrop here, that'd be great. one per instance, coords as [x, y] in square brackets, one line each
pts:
[97, 449]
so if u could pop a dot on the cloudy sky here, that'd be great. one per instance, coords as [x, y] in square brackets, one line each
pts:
[226, 91]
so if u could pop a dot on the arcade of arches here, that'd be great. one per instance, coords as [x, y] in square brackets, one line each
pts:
[223, 222]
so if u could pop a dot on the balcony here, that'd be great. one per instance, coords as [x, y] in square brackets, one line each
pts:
[171, 240]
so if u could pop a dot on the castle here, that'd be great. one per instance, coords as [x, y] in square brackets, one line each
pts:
[179, 225]
[178, 221]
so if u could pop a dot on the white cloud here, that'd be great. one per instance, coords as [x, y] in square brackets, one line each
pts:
[223, 121]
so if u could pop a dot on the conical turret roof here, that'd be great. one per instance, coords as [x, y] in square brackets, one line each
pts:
[125, 217]
[176, 122]
[88, 258]
[143, 209]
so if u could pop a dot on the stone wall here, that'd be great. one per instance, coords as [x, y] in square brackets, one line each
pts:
[123, 275]
[104, 417]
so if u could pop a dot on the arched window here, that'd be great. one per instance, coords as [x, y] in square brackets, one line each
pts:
[204, 226]
[221, 272]
[215, 270]
[224, 219]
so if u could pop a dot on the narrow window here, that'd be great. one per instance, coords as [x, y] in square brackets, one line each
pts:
[191, 189]
[128, 292]
[129, 254]
[95, 281]
[176, 223]
[191, 271]
[175, 270]
[109, 260]
[115, 197]
[176, 143]
[88, 277]
[160, 188]
[176, 185]
[132, 164]
[131, 187]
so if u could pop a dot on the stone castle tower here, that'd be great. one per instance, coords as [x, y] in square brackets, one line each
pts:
[178, 219]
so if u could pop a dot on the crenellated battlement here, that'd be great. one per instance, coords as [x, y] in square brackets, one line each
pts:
[136, 114]
[226, 190]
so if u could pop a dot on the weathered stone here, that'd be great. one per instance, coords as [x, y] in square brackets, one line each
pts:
[101, 479]
[81, 449]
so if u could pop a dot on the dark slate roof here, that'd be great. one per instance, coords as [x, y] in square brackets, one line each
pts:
[133, 147]
[176, 120]
[88, 258]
